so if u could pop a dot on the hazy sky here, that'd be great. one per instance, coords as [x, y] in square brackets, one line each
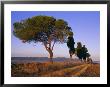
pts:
[84, 24]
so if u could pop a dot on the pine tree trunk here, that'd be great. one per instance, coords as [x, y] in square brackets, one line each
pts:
[50, 51]
[50, 55]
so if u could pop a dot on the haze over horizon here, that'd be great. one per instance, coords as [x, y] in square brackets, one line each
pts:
[85, 26]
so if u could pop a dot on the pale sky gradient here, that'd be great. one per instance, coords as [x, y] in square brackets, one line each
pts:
[84, 24]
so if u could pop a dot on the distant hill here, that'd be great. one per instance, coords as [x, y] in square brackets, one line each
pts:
[41, 59]
[36, 59]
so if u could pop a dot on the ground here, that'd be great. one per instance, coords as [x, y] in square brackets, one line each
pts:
[69, 68]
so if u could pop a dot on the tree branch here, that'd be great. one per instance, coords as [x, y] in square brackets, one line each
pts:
[46, 46]
[49, 41]
[49, 44]
[53, 45]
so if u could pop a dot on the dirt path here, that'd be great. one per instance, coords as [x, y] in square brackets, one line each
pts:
[82, 70]
[69, 72]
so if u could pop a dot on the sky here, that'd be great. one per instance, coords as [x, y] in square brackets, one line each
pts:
[85, 26]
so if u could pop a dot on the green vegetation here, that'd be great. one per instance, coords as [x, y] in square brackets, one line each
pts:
[45, 29]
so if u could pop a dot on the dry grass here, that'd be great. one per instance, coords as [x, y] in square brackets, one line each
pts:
[57, 69]
[37, 69]
[92, 71]
[66, 72]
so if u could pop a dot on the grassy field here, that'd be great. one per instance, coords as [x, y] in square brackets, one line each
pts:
[57, 69]
[92, 71]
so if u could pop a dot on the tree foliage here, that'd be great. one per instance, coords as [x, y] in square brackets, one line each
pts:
[42, 29]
